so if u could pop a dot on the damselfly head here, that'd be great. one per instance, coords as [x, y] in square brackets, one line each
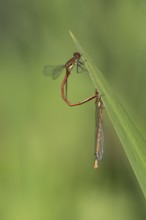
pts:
[77, 55]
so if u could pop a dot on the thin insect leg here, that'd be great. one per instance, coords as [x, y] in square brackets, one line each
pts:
[81, 62]
[77, 68]
[78, 65]
[63, 84]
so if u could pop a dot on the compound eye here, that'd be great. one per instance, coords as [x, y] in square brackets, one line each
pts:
[77, 55]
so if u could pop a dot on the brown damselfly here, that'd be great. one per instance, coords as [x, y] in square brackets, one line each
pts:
[55, 71]
[99, 138]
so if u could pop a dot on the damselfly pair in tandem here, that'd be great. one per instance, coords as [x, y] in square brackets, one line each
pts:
[55, 71]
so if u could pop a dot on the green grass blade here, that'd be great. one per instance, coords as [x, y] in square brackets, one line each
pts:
[130, 136]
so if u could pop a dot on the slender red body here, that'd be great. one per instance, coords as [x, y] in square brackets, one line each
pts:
[69, 65]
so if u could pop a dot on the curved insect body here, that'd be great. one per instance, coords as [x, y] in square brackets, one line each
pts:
[69, 65]
[55, 71]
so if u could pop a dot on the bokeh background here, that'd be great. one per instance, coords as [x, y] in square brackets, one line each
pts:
[47, 148]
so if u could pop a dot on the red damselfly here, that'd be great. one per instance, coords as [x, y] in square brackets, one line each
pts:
[55, 71]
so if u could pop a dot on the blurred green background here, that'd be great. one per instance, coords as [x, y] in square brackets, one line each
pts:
[47, 148]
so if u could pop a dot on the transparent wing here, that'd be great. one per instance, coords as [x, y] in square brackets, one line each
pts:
[101, 144]
[99, 137]
[54, 71]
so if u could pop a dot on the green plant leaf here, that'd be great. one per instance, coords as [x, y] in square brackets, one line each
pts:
[130, 136]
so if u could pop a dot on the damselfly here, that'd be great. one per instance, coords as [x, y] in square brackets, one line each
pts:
[99, 133]
[55, 71]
